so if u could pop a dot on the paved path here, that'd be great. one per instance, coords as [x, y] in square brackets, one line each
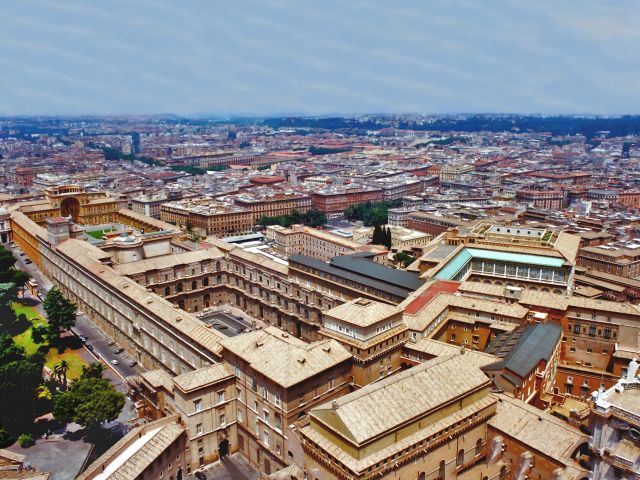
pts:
[62, 458]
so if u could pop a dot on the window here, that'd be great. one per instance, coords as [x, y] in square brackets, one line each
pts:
[265, 437]
[197, 405]
[221, 396]
[276, 399]
[460, 457]
[222, 421]
[239, 415]
[264, 392]
[278, 420]
[592, 330]
[199, 429]
[265, 416]
[607, 332]
[576, 328]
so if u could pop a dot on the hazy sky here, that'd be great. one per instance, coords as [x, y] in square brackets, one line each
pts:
[325, 56]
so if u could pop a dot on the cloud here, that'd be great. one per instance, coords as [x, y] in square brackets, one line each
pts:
[278, 56]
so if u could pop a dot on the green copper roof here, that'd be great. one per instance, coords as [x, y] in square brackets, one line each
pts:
[466, 254]
[455, 265]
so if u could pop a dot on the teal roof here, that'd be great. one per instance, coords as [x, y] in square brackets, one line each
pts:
[455, 265]
[466, 254]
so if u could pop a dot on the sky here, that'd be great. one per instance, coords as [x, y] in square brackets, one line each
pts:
[301, 57]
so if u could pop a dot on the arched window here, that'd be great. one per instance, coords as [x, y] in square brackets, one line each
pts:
[205, 281]
[194, 285]
[179, 287]
[479, 446]
[460, 457]
[167, 291]
[442, 470]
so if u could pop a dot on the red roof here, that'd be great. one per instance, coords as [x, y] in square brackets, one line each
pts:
[438, 287]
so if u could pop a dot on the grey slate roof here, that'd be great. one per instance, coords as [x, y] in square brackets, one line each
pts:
[358, 268]
[535, 343]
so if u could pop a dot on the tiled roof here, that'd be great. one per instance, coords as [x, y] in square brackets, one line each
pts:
[387, 404]
[285, 359]
[538, 430]
[362, 313]
[202, 377]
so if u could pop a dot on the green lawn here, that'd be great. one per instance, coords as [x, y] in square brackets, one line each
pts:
[98, 234]
[53, 357]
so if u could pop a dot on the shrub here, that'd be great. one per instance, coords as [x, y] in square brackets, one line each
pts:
[26, 440]
[5, 437]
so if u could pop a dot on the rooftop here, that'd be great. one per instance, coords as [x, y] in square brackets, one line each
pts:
[384, 406]
[284, 359]
[362, 312]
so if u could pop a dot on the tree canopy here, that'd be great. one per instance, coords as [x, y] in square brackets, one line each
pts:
[312, 218]
[90, 401]
[61, 313]
[20, 377]
[371, 213]
[404, 258]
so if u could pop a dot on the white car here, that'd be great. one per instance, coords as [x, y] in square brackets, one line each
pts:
[114, 362]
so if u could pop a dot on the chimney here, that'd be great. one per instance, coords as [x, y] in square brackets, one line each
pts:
[632, 370]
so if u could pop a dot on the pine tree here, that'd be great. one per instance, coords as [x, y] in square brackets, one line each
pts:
[387, 239]
[376, 235]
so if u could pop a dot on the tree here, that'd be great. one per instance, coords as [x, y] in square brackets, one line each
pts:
[20, 278]
[61, 370]
[5, 437]
[387, 237]
[376, 237]
[404, 258]
[61, 313]
[314, 218]
[20, 377]
[7, 261]
[93, 370]
[89, 401]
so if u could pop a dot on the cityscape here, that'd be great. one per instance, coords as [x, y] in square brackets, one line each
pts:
[306, 291]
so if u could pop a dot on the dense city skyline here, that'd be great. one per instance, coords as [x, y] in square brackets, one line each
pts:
[281, 57]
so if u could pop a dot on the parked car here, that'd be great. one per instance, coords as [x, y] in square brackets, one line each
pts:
[114, 362]
[118, 350]
[200, 475]
[111, 342]
[89, 346]
[28, 262]
[22, 254]
[82, 338]
[132, 363]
